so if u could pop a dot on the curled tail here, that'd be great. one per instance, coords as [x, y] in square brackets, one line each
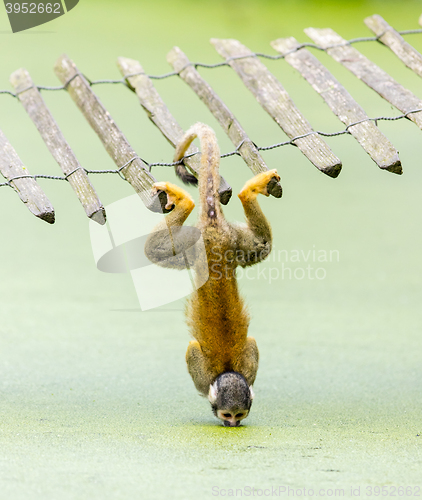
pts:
[209, 179]
[185, 176]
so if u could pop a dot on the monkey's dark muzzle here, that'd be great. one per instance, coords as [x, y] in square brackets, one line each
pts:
[231, 424]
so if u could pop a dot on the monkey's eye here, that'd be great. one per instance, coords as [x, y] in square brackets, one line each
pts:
[239, 415]
[227, 415]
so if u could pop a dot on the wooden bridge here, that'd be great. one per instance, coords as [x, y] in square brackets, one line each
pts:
[268, 91]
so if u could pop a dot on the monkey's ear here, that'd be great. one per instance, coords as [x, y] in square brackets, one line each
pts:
[252, 394]
[212, 393]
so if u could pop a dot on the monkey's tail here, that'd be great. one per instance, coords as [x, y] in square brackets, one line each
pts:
[185, 176]
[209, 179]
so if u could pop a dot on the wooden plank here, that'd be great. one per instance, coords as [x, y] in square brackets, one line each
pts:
[371, 74]
[341, 103]
[247, 150]
[37, 110]
[160, 115]
[26, 187]
[276, 101]
[394, 41]
[134, 170]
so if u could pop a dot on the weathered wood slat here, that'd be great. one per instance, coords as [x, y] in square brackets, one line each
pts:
[36, 108]
[276, 101]
[248, 151]
[394, 41]
[160, 115]
[27, 187]
[113, 139]
[341, 103]
[371, 74]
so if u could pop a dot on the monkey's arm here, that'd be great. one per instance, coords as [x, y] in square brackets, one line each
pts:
[169, 245]
[198, 368]
[254, 239]
[247, 364]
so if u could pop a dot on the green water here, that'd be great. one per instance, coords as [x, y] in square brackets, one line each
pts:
[96, 401]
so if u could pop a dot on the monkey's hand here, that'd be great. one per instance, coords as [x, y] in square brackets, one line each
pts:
[198, 368]
[258, 185]
[175, 194]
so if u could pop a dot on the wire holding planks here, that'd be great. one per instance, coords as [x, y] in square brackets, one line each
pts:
[224, 155]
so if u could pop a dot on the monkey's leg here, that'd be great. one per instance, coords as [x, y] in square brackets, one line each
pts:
[167, 243]
[254, 239]
[247, 363]
[198, 368]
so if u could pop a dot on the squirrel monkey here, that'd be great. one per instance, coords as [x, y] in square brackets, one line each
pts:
[222, 360]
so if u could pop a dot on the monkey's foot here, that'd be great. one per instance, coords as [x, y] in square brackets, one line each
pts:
[258, 185]
[175, 194]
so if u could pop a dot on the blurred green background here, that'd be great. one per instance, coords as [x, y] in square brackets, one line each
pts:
[95, 398]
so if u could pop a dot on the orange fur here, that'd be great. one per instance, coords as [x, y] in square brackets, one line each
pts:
[216, 314]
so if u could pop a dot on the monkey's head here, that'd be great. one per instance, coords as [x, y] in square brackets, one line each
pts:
[231, 398]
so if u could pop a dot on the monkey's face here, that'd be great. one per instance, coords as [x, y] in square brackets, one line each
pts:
[231, 417]
[231, 398]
